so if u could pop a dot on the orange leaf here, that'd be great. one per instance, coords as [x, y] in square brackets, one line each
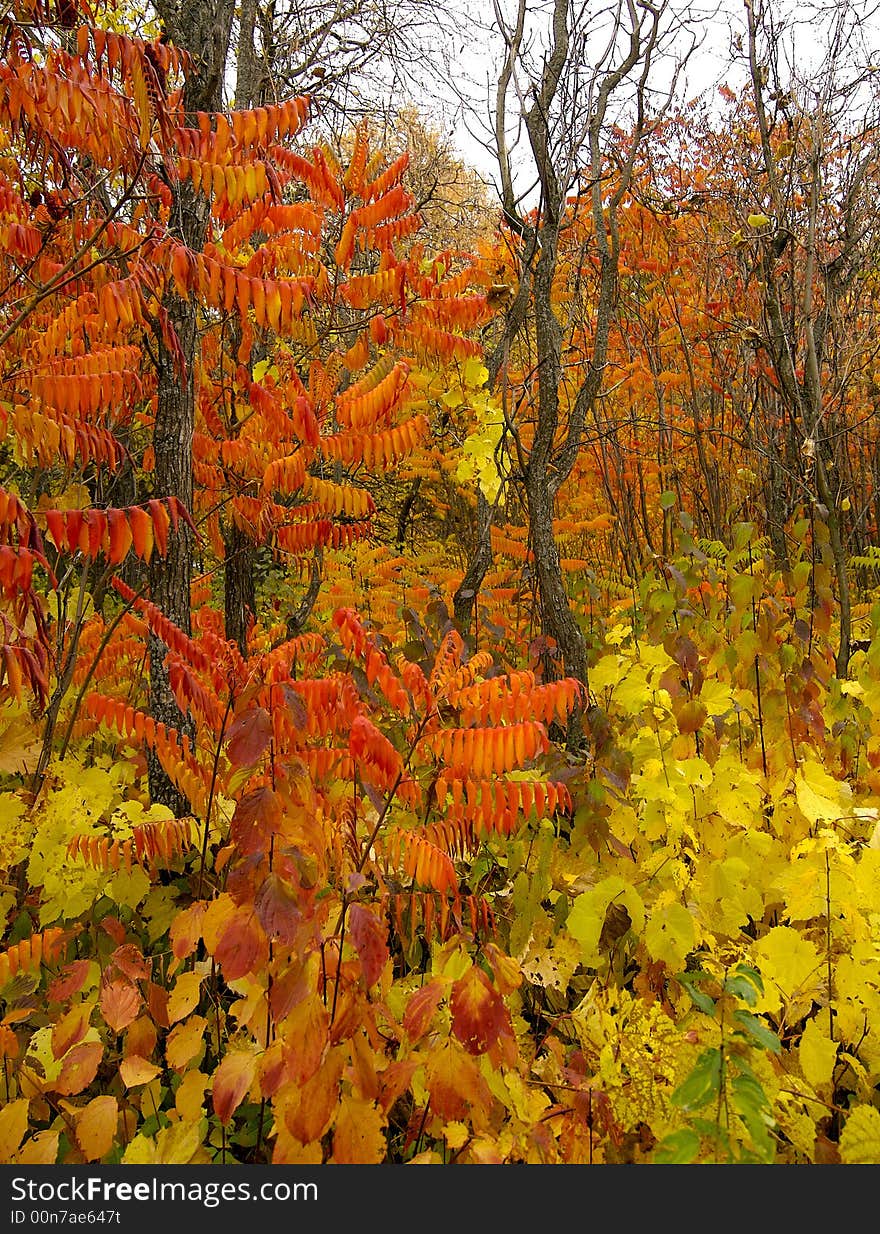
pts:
[421, 1008]
[478, 1012]
[79, 1068]
[119, 536]
[455, 1083]
[141, 531]
[232, 1080]
[96, 1128]
[369, 936]
[136, 1071]
[120, 1002]
[70, 1029]
[249, 735]
[184, 1042]
[311, 1107]
[358, 1137]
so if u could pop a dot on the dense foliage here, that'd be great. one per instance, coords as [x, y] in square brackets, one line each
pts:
[416, 894]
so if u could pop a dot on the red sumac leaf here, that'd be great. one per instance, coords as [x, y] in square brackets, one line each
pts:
[421, 1008]
[277, 908]
[249, 735]
[370, 938]
[478, 1012]
[256, 819]
[238, 948]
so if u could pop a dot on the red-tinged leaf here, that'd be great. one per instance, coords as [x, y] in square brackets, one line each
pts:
[69, 982]
[135, 1071]
[277, 908]
[370, 938]
[288, 991]
[120, 1003]
[96, 1128]
[140, 1038]
[310, 1111]
[70, 1029]
[271, 1069]
[421, 1007]
[114, 927]
[232, 1082]
[157, 1003]
[186, 929]
[478, 1012]
[296, 706]
[130, 960]
[79, 1068]
[256, 819]
[395, 1080]
[119, 536]
[306, 1035]
[455, 1083]
[239, 947]
[506, 970]
[141, 531]
[249, 736]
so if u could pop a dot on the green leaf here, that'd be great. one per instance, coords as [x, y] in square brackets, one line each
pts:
[702, 1001]
[667, 500]
[703, 1083]
[679, 1148]
[758, 1031]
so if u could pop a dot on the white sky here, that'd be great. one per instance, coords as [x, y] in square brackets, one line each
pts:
[803, 32]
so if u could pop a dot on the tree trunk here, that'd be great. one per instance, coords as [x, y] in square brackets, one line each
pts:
[201, 27]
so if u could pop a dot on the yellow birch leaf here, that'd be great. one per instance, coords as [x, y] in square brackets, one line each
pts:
[818, 793]
[789, 962]
[669, 935]
[817, 1054]
[860, 1140]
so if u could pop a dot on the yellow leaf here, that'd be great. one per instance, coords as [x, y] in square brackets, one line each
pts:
[587, 916]
[180, 1144]
[358, 1137]
[13, 1125]
[96, 1128]
[817, 1054]
[189, 1100]
[819, 794]
[669, 935]
[135, 1071]
[860, 1140]
[455, 1135]
[758, 220]
[40, 1149]
[184, 1042]
[789, 962]
[184, 997]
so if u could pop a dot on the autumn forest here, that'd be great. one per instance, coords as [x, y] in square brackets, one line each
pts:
[439, 605]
